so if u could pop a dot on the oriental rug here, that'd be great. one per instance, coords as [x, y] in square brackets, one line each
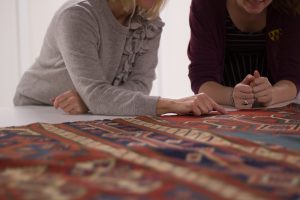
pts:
[251, 154]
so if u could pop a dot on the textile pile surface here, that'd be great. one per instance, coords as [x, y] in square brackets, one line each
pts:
[250, 154]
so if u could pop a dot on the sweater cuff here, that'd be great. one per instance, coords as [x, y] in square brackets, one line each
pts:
[147, 106]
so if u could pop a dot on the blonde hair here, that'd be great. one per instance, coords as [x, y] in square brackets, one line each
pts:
[152, 13]
[287, 6]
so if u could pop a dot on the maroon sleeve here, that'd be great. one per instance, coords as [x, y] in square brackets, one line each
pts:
[206, 46]
[289, 52]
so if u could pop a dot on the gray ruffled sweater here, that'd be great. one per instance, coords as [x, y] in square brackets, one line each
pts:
[86, 49]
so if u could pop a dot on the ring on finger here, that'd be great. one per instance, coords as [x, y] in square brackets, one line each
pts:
[245, 103]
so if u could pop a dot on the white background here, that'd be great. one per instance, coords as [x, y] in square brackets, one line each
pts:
[23, 24]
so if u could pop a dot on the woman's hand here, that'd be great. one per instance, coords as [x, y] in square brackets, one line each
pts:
[242, 95]
[198, 105]
[70, 102]
[262, 89]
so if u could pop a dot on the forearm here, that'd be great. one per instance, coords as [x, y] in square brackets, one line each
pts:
[198, 105]
[138, 86]
[219, 93]
[283, 91]
[165, 105]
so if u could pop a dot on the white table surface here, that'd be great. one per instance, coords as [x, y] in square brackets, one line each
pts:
[23, 115]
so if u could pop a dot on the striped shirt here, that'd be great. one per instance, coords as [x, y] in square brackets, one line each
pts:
[245, 52]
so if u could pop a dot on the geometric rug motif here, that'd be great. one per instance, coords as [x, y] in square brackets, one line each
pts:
[285, 121]
[276, 126]
[170, 157]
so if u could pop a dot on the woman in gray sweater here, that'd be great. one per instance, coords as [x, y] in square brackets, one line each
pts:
[100, 56]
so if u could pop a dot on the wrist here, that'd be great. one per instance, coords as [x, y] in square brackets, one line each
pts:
[231, 99]
[271, 102]
[164, 106]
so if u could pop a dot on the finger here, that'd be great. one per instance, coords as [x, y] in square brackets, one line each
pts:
[79, 109]
[196, 109]
[248, 79]
[58, 101]
[52, 100]
[246, 101]
[264, 99]
[69, 93]
[218, 108]
[74, 112]
[211, 105]
[68, 108]
[260, 88]
[256, 74]
[249, 98]
[208, 105]
[250, 101]
[244, 104]
[203, 109]
[243, 88]
[66, 102]
[262, 93]
[68, 98]
[62, 97]
[261, 80]
[249, 106]
[204, 103]
[244, 96]
[66, 94]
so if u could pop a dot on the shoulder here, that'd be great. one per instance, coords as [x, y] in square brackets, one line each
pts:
[78, 16]
[75, 9]
[282, 19]
[83, 10]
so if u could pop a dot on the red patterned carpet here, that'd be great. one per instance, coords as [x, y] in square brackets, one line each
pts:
[243, 155]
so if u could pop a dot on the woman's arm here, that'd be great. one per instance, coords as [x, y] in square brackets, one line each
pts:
[197, 105]
[241, 96]
[206, 46]
[77, 38]
[219, 93]
[267, 95]
[282, 91]
[287, 61]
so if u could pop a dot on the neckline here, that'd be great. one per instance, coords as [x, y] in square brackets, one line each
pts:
[112, 19]
[244, 32]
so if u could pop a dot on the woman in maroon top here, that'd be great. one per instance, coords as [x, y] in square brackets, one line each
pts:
[245, 52]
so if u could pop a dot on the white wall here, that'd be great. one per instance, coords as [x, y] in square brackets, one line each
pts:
[35, 16]
[173, 57]
[9, 71]
[30, 18]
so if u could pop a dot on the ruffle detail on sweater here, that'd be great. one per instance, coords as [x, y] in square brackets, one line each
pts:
[138, 42]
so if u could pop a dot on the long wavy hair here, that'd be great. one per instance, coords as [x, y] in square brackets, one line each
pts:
[131, 7]
[287, 6]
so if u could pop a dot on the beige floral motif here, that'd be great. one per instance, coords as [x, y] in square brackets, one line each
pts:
[111, 176]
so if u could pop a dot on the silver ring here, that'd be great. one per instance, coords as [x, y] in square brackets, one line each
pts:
[245, 103]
